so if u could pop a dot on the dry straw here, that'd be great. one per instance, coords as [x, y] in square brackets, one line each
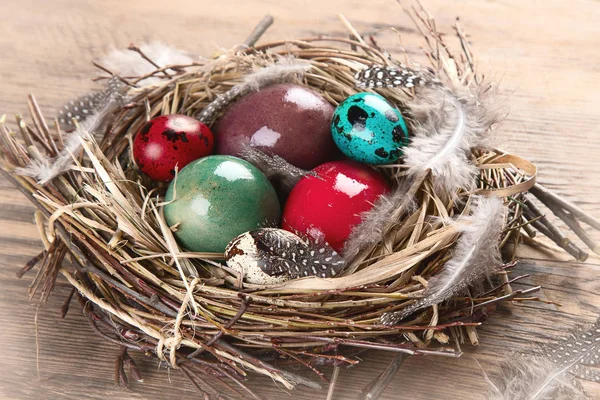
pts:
[103, 231]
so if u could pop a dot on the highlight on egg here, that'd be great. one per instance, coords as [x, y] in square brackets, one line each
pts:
[215, 198]
[287, 120]
[168, 141]
[327, 204]
[368, 129]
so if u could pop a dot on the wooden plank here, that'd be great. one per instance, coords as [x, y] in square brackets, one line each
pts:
[545, 54]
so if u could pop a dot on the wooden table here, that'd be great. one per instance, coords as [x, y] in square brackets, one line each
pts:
[545, 54]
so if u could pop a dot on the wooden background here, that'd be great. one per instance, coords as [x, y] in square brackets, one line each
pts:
[544, 52]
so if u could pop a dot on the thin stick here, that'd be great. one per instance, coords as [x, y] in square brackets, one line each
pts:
[23, 130]
[40, 123]
[551, 200]
[334, 379]
[245, 303]
[65, 307]
[527, 227]
[258, 31]
[30, 264]
[572, 223]
[133, 47]
[125, 81]
[505, 297]
[543, 220]
[385, 346]
[377, 386]
[563, 242]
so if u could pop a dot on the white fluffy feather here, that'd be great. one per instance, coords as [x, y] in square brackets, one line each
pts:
[527, 378]
[375, 222]
[45, 169]
[125, 63]
[284, 69]
[476, 256]
[450, 124]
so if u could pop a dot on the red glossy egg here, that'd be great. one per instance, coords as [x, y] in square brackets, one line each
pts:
[329, 205]
[170, 140]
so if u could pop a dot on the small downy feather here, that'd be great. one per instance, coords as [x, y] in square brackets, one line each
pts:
[281, 173]
[476, 256]
[549, 372]
[449, 125]
[128, 63]
[283, 69]
[45, 169]
[374, 222]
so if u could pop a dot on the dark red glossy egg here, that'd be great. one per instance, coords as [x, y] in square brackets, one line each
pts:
[328, 205]
[291, 121]
[170, 140]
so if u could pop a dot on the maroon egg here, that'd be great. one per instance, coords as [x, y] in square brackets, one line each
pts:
[288, 120]
[170, 140]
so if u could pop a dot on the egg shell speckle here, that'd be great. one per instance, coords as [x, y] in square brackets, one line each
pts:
[168, 141]
[241, 256]
[367, 128]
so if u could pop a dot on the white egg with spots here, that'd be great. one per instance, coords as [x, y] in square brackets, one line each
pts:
[242, 256]
[270, 256]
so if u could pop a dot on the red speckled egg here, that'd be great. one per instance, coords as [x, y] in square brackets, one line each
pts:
[329, 205]
[288, 120]
[170, 140]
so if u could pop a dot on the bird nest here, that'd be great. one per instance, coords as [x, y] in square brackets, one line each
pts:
[423, 269]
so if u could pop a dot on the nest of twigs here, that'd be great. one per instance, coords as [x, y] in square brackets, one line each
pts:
[103, 231]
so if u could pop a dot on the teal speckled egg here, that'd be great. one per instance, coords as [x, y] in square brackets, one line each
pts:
[367, 128]
[218, 198]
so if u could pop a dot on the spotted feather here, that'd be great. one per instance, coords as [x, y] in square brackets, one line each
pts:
[87, 105]
[278, 253]
[392, 76]
[549, 372]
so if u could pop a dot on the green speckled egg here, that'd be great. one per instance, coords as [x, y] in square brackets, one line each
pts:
[218, 198]
[367, 128]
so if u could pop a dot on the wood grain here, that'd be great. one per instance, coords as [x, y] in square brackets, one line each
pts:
[545, 53]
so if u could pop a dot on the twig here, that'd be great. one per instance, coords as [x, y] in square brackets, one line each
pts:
[258, 31]
[306, 364]
[556, 233]
[572, 223]
[30, 264]
[377, 386]
[245, 303]
[541, 223]
[65, 307]
[125, 81]
[385, 346]
[188, 374]
[527, 228]
[133, 47]
[120, 377]
[552, 200]
[503, 298]
[333, 382]
[133, 368]
[40, 123]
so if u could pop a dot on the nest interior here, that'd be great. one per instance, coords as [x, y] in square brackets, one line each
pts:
[103, 231]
